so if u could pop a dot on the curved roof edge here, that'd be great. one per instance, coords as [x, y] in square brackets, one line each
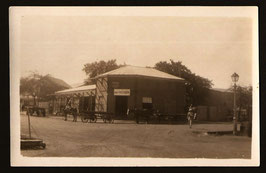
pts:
[139, 71]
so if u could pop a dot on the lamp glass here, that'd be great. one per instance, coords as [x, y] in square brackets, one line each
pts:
[235, 77]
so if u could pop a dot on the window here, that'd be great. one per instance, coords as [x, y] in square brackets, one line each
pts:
[146, 100]
[147, 103]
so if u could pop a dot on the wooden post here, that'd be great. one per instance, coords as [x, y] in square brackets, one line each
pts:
[29, 124]
[90, 101]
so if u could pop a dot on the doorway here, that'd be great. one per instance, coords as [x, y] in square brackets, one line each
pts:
[121, 105]
[87, 103]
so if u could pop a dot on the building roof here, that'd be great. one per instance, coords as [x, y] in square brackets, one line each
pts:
[75, 85]
[77, 89]
[221, 90]
[139, 71]
[58, 82]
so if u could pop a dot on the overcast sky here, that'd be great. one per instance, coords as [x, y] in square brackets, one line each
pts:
[212, 47]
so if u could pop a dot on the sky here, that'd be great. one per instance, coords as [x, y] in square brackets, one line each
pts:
[213, 47]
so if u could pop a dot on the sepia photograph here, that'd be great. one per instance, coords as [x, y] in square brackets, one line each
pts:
[134, 86]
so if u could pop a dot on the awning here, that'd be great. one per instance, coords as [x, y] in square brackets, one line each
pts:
[86, 90]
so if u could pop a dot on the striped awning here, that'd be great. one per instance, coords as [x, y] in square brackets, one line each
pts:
[87, 90]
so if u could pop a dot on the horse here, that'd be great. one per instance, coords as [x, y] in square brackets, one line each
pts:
[140, 114]
[71, 111]
[192, 114]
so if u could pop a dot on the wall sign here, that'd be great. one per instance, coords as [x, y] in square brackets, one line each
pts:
[122, 92]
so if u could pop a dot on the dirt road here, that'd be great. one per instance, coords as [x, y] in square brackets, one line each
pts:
[69, 139]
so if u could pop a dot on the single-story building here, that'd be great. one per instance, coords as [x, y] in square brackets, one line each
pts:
[128, 87]
[138, 87]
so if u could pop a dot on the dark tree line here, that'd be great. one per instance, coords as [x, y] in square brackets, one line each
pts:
[244, 100]
[96, 68]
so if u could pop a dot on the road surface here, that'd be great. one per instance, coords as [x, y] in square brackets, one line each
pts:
[127, 139]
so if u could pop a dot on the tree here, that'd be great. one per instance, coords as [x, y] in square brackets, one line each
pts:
[243, 99]
[96, 68]
[39, 86]
[197, 87]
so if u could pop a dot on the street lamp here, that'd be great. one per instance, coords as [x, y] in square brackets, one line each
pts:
[235, 78]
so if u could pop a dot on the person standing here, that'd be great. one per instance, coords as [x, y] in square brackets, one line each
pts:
[190, 115]
[67, 109]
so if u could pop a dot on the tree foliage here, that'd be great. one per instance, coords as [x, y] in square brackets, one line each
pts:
[99, 67]
[243, 98]
[38, 85]
[197, 87]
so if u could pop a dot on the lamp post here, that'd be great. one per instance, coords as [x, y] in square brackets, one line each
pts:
[235, 78]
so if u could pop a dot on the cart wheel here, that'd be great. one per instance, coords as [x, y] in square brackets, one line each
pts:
[84, 119]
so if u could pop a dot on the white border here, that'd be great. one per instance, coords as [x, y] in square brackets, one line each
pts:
[15, 14]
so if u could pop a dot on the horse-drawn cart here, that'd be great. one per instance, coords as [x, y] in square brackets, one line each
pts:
[35, 109]
[60, 111]
[151, 115]
[92, 116]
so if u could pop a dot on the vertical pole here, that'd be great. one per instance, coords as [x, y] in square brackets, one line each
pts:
[235, 120]
[34, 101]
[91, 101]
[29, 125]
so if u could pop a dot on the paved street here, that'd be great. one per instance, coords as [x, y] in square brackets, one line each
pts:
[127, 139]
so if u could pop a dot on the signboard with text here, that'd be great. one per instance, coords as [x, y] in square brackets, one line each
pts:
[122, 92]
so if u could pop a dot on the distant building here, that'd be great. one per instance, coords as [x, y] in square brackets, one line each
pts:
[57, 82]
[26, 99]
[218, 105]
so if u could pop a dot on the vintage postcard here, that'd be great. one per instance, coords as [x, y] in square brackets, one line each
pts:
[134, 86]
